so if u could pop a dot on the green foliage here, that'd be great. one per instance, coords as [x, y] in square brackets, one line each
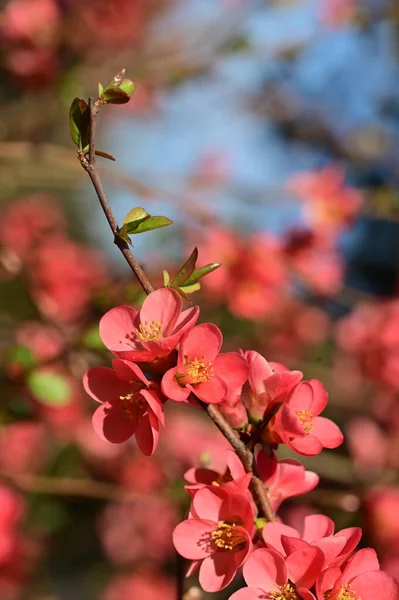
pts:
[49, 388]
[186, 280]
[79, 123]
[139, 221]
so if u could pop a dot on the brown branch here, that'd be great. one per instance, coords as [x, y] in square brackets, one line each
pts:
[89, 165]
[245, 455]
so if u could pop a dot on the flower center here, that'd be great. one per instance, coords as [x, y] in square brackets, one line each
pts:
[148, 332]
[305, 417]
[227, 537]
[133, 405]
[347, 593]
[196, 371]
[283, 592]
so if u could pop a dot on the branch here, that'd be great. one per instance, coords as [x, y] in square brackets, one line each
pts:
[245, 455]
[89, 165]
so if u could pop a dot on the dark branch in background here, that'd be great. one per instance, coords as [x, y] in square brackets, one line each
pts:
[88, 162]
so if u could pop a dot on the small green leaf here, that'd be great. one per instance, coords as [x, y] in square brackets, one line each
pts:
[166, 278]
[124, 235]
[117, 80]
[113, 95]
[181, 293]
[136, 215]
[100, 90]
[49, 388]
[79, 123]
[201, 272]
[127, 86]
[22, 356]
[185, 272]
[104, 154]
[148, 224]
[91, 338]
[189, 289]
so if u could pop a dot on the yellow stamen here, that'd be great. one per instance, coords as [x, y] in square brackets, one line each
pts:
[347, 593]
[226, 537]
[283, 592]
[133, 406]
[149, 331]
[305, 417]
[196, 371]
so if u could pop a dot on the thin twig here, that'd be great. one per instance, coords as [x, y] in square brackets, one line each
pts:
[245, 455]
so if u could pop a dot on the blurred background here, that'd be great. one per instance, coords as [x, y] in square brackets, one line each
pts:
[268, 130]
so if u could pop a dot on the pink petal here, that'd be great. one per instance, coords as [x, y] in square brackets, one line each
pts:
[232, 368]
[352, 536]
[288, 424]
[147, 434]
[331, 548]
[281, 384]
[172, 389]
[305, 565]
[320, 397]
[272, 533]
[102, 384]
[259, 370]
[248, 593]
[191, 538]
[316, 527]
[291, 544]
[264, 569]
[212, 392]
[374, 585]
[207, 504]
[362, 561]
[301, 397]
[327, 580]
[204, 476]
[110, 424]
[117, 326]
[186, 320]
[128, 371]
[307, 446]
[327, 432]
[203, 341]
[305, 594]
[235, 505]
[234, 464]
[268, 466]
[217, 571]
[162, 306]
[193, 568]
[154, 402]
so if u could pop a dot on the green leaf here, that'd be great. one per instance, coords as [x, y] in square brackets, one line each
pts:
[49, 388]
[127, 86]
[91, 338]
[113, 95]
[181, 292]
[104, 154]
[136, 215]
[185, 272]
[166, 278]
[189, 289]
[100, 90]
[124, 235]
[117, 80]
[148, 224]
[79, 123]
[22, 356]
[201, 272]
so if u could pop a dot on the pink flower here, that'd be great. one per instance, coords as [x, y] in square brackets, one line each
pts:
[130, 404]
[218, 536]
[284, 478]
[318, 531]
[298, 424]
[153, 331]
[202, 370]
[269, 383]
[234, 480]
[359, 579]
[269, 575]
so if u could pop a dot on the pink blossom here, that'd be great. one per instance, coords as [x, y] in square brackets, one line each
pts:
[270, 383]
[130, 404]
[151, 332]
[298, 424]
[234, 480]
[269, 575]
[360, 578]
[318, 531]
[201, 370]
[217, 537]
[284, 478]
[148, 584]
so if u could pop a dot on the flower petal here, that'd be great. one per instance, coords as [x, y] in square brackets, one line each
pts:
[154, 402]
[305, 565]
[129, 371]
[248, 593]
[207, 504]
[376, 584]
[217, 571]
[327, 432]
[172, 389]
[232, 368]
[202, 341]
[147, 434]
[272, 533]
[103, 385]
[191, 538]
[118, 329]
[264, 569]
[320, 397]
[316, 527]
[307, 446]
[162, 306]
[301, 397]
[110, 424]
[213, 392]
